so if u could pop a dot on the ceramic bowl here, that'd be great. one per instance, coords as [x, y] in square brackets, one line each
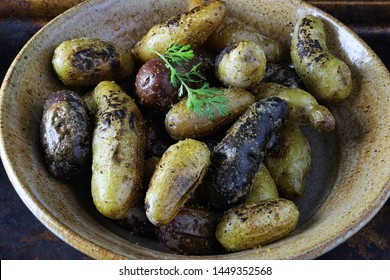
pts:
[348, 182]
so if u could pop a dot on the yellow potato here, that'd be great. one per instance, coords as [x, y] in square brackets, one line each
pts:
[263, 186]
[191, 28]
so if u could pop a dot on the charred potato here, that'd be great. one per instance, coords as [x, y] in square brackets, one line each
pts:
[326, 76]
[179, 172]
[181, 122]
[88, 61]
[65, 135]
[190, 28]
[247, 226]
[241, 64]
[118, 151]
[281, 74]
[235, 160]
[191, 232]
[233, 30]
[290, 165]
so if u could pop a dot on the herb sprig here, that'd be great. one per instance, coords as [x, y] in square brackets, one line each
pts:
[201, 100]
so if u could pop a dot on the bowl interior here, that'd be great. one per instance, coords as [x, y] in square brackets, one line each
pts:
[348, 181]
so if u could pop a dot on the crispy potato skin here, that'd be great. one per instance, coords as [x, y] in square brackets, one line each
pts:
[246, 226]
[326, 77]
[235, 160]
[290, 165]
[118, 151]
[88, 61]
[181, 122]
[191, 28]
[233, 30]
[179, 172]
[65, 135]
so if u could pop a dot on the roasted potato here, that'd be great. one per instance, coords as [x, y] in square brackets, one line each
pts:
[190, 28]
[66, 135]
[290, 165]
[327, 77]
[118, 151]
[191, 232]
[179, 172]
[182, 122]
[247, 226]
[263, 186]
[88, 61]
[233, 30]
[304, 108]
[235, 160]
[241, 64]
[281, 74]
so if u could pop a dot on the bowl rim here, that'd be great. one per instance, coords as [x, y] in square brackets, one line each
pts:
[98, 252]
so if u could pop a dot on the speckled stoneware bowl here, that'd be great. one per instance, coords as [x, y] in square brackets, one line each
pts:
[349, 178]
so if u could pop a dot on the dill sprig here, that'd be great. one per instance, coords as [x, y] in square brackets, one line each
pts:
[203, 100]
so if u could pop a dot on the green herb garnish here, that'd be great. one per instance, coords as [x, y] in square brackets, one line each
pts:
[202, 100]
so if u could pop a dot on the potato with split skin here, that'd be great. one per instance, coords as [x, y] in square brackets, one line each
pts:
[190, 28]
[88, 61]
[241, 64]
[182, 122]
[233, 30]
[118, 151]
[289, 166]
[247, 226]
[179, 172]
[66, 135]
[327, 77]
[304, 108]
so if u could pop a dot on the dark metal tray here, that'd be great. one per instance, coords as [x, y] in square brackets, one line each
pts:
[22, 236]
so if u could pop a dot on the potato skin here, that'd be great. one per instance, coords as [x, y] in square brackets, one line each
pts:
[247, 226]
[118, 151]
[179, 172]
[191, 28]
[233, 30]
[65, 135]
[263, 186]
[88, 61]
[191, 232]
[241, 64]
[290, 165]
[326, 77]
[235, 160]
[304, 108]
[181, 122]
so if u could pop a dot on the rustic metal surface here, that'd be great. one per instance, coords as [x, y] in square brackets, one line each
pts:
[22, 236]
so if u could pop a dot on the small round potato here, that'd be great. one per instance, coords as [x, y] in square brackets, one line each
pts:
[241, 65]
[88, 61]
[66, 135]
[249, 225]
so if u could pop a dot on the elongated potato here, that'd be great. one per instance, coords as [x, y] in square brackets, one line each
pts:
[263, 186]
[249, 225]
[117, 151]
[326, 76]
[181, 122]
[179, 172]
[304, 108]
[290, 165]
[88, 61]
[233, 30]
[235, 160]
[191, 28]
